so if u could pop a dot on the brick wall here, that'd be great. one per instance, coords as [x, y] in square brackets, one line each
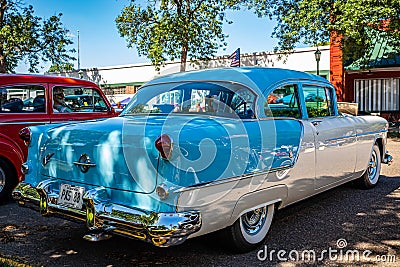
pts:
[336, 67]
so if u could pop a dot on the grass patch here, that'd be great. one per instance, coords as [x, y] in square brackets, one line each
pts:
[9, 262]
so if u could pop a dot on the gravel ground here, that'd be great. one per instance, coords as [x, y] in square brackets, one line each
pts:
[343, 222]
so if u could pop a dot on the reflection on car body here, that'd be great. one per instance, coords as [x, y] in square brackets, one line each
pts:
[201, 151]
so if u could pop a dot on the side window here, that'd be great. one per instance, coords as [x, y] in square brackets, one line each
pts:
[283, 102]
[23, 99]
[77, 99]
[318, 101]
[98, 102]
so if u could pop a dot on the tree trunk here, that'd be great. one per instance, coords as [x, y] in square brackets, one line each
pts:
[3, 64]
[183, 58]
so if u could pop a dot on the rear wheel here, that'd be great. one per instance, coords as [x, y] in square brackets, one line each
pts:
[251, 229]
[8, 180]
[371, 176]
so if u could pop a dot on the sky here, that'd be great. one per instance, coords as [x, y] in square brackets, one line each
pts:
[101, 45]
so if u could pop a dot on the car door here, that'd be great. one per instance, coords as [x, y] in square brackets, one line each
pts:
[294, 141]
[71, 103]
[335, 138]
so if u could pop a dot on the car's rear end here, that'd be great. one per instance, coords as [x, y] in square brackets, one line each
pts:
[105, 176]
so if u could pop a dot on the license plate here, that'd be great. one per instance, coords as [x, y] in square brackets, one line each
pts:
[71, 196]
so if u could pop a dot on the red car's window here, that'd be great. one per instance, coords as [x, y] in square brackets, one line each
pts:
[23, 99]
[77, 99]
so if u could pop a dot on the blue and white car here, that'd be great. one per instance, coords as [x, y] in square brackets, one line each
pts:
[202, 151]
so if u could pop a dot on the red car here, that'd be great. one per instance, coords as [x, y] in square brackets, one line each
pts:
[33, 99]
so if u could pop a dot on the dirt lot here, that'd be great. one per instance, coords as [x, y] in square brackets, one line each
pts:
[344, 219]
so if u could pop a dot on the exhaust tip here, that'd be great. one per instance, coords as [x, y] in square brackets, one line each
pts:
[95, 237]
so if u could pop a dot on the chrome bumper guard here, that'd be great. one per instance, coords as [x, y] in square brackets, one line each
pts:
[387, 158]
[103, 217]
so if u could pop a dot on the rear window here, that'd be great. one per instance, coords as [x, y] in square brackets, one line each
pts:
[198, 98]
[23, 99]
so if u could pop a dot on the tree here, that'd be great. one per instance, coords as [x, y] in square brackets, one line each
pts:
[170, 29]
[311, 22]
[61, 67]
[26, 37]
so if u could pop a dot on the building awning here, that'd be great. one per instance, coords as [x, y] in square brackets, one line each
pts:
[382, 56]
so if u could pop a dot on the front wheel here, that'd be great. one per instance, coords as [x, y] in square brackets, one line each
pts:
[371, 176]
[7, 180]
[251, 229]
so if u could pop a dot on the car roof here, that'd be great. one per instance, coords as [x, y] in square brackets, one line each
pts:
[33, 78]
[260, 77]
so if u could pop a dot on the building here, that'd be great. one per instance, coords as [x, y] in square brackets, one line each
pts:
[376, 89]
[127, 79]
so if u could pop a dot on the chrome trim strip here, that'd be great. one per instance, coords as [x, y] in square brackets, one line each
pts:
[372, 133]
[356, 135]
[84, 164]
[232, 179]
[25, 122]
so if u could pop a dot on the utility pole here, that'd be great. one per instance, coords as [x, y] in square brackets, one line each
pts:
[79, 61]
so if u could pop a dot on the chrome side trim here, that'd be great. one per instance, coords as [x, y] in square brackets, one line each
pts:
[233, 179]
[104, 217]
[371, 133]
[26, 122]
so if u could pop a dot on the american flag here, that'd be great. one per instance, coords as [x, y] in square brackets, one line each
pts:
[235, 58]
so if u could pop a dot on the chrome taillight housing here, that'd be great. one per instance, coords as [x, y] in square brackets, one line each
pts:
[26, 135]
[164, 145]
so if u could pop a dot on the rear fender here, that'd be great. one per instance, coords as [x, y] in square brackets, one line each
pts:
[12, 153]
[258, 199]
[34, 161]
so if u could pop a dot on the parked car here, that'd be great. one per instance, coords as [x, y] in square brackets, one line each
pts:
[202, 151]
[28, 100]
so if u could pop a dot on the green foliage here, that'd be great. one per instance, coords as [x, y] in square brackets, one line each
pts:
[170, 29]
[312, 21]
[61, 67]
[26, 37]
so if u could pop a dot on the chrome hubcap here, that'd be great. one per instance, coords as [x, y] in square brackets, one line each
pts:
[373, 167]
[2, 179]
[254, 220]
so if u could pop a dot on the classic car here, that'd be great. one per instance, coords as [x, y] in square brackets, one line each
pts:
[202, 151]
[28, 100]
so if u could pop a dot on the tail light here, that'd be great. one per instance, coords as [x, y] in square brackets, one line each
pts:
[25, 134]
[164, 146]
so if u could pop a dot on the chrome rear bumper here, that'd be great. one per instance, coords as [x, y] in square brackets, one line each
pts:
[103, 216]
